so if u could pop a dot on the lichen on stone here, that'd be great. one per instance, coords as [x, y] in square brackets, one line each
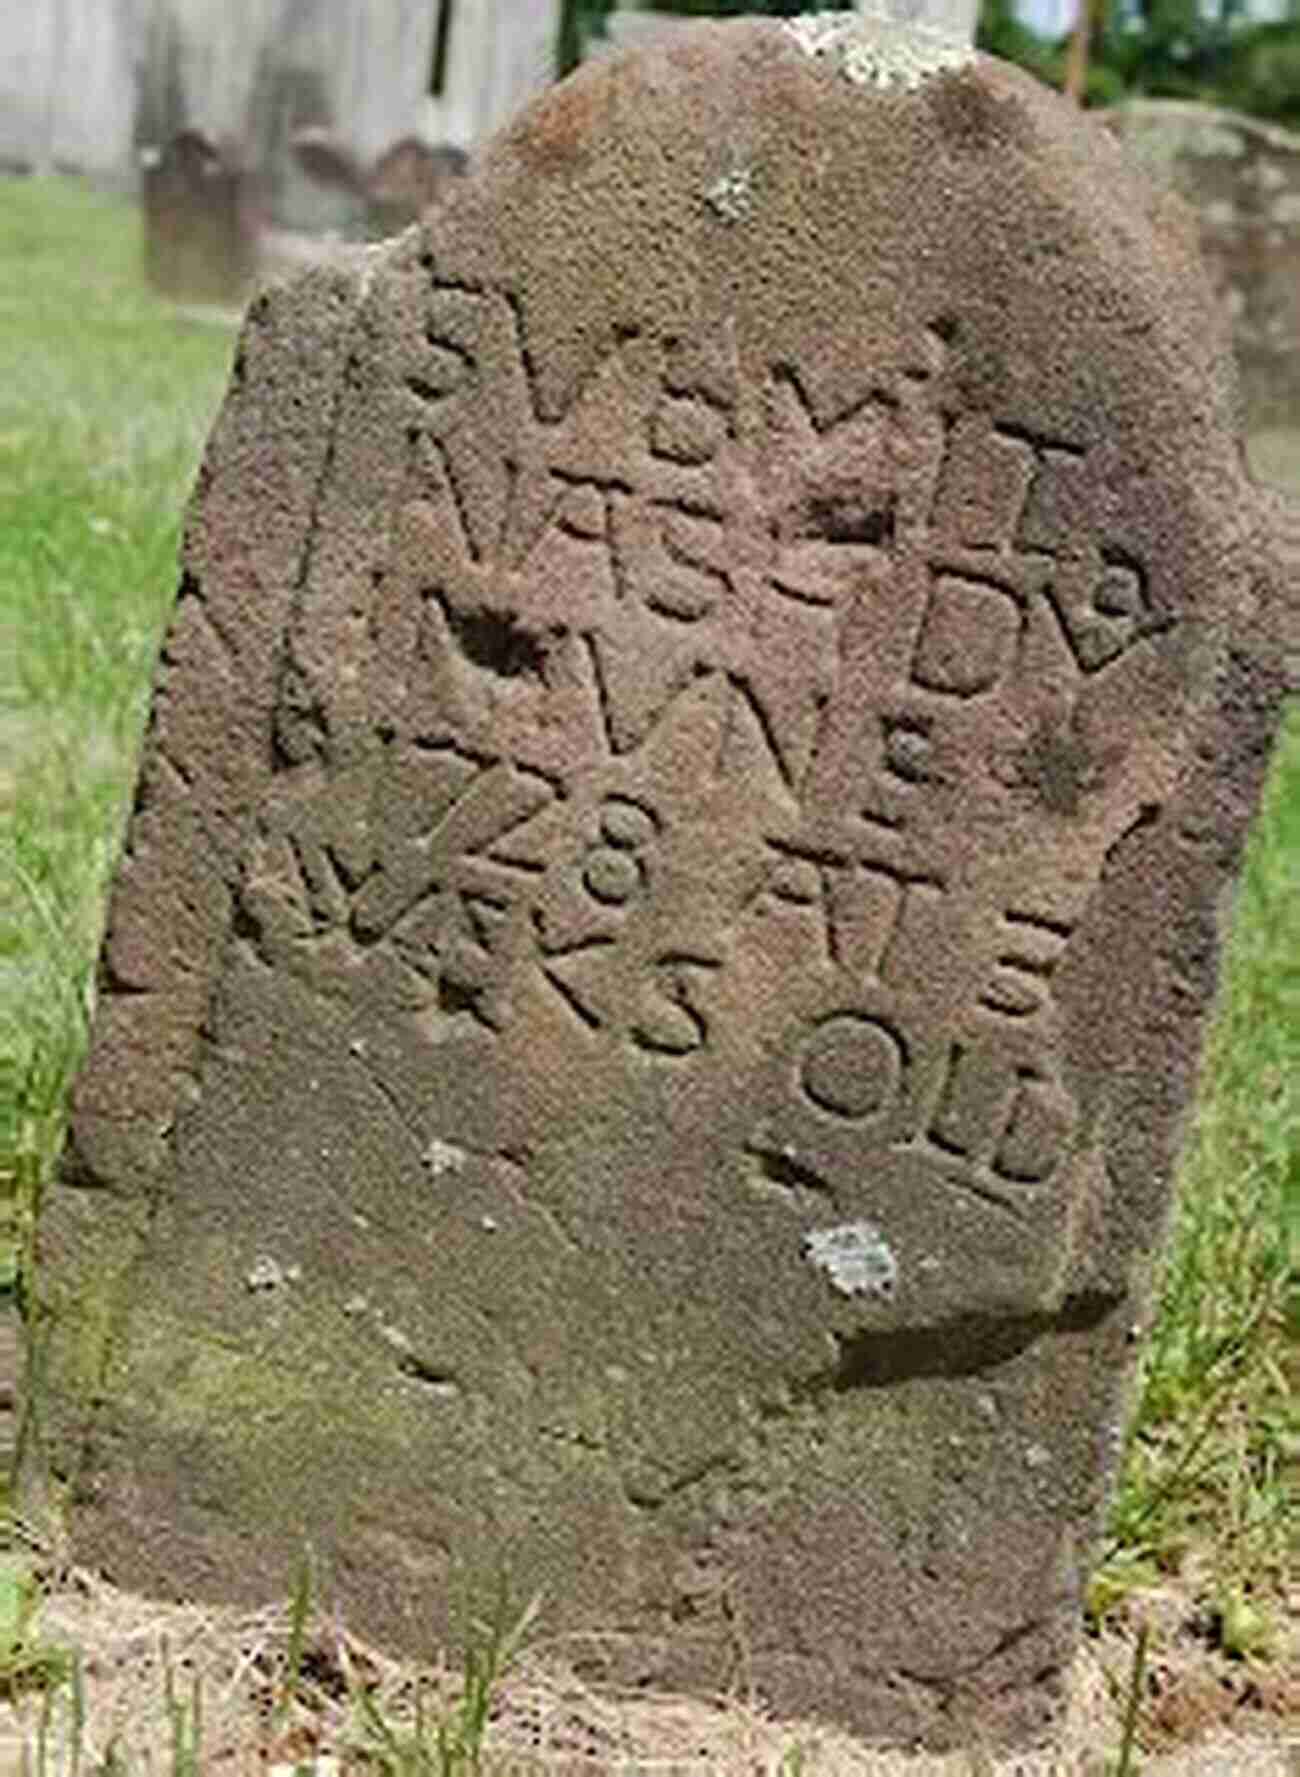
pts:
[855, 1257]
[880, 51]
[731, 196]
[444, 1156]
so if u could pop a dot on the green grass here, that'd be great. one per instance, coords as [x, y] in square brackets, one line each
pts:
[105, 401]
[1213, 1453]
[443, 1732]
[106, 398]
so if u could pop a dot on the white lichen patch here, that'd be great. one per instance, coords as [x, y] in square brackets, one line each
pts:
[855, 1257]
[443, 1156]
[732, 196]
[267, 1273]
[880, 51]
[817, 32]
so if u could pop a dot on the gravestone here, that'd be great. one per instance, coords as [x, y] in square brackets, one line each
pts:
[200, 221]
[408, 177]
[1242, 177]
[404, 181]
[672, 895]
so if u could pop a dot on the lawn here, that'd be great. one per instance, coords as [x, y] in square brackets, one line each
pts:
[105, 400]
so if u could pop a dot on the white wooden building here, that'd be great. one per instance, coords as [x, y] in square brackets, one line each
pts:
[88, 84]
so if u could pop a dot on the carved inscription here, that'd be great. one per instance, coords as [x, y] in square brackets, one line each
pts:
[697, 671]
[865, 907]
[1031, 947]
[852, 1066]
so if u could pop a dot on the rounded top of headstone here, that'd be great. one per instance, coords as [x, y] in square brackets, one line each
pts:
[819, 176]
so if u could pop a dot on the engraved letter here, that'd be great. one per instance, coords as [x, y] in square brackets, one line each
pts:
[1021, 982]
[969, 636]
[852, 1066]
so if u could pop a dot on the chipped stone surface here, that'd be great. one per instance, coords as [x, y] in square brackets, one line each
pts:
[696, 720]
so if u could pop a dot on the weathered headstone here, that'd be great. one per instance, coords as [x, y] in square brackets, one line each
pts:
[200, 221]
[673, 891]
[404, 181]
[1242, 177]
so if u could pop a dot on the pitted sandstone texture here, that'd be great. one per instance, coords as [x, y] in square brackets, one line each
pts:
[662, 942]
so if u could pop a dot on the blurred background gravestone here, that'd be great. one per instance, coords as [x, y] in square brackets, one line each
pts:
[200, 221]
[106, 87]
[394, 191]
[1242, 177]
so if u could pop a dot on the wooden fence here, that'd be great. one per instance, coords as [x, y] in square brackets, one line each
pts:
[88, 85]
